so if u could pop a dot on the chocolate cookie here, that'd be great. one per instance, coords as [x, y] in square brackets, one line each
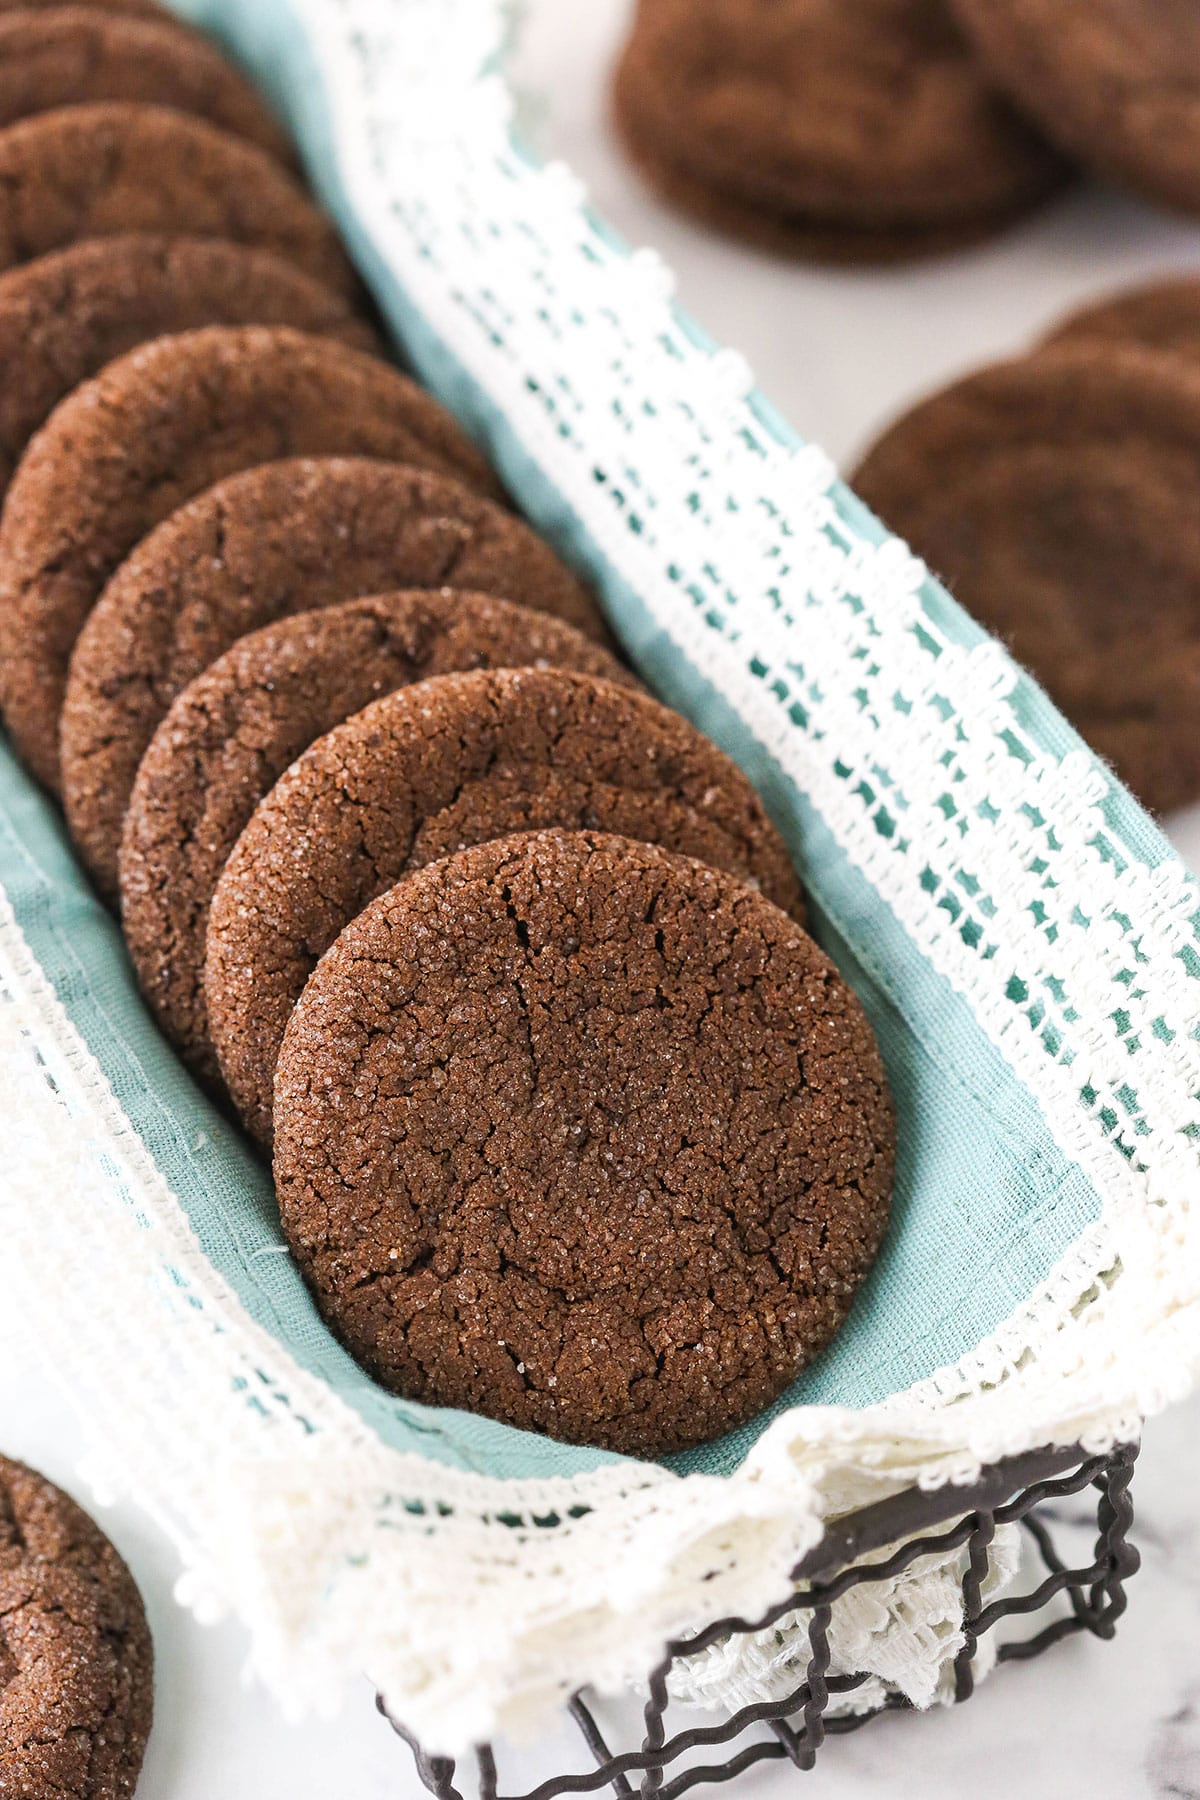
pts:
[67, 56]
[235, 729]
[425, 772]
[775, 231]
[850, 129]
[1114, 82]
[280, 539]
[150, 432]
[76, 1662]
[131, 9]
[109, 170]
[1056, 497]
[63, 317]
[1164, 316]
[585, 1137]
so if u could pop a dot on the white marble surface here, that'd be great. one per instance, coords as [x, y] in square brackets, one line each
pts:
[840, 354]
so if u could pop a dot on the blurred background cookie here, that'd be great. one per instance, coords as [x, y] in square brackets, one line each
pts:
[853, 130]
[1163, 316]
[1056, 497]
[1115, 83]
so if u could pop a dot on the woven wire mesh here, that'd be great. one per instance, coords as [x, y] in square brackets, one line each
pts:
[1068, 1597]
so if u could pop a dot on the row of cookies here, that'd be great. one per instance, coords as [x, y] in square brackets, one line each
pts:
[573, 1122]
[874, 130]
[80, 291]
[269, 631]
[1056, 496]
[278, 799]
[547, 1050]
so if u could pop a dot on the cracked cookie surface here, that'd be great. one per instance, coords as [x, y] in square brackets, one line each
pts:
[583, 1136]
[430, 770]
[151, 431]
[76, 1662]
[276, 540]
[234, 731]
[112, 167]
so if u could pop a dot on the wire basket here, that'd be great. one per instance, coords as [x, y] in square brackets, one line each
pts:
[669, 1762]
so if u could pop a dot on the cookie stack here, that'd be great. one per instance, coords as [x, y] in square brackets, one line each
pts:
[573, 1123]
[876, 130]
[1056, 496]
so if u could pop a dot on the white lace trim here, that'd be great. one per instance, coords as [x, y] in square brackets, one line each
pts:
[906, 1636]
[341, 1555]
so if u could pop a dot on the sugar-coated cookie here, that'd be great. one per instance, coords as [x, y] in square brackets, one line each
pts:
[76, 1661]
[233, 732]
[281, 538]
[64, 316]
[433, 769]
[583, 1136]
[113, 168]
[155, 428]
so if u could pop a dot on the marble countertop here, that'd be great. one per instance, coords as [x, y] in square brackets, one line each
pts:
[840, 354]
